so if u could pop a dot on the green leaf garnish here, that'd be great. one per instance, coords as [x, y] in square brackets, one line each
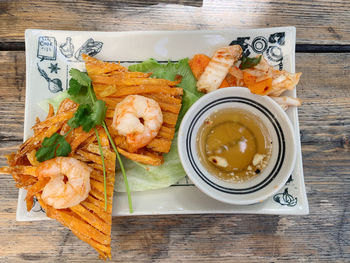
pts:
[248, 62]
[79, 86]
[88, 117]
[75, 88]
[121, 166]
[90, 113]
[98, 114]
[81, 77]
[53, 146]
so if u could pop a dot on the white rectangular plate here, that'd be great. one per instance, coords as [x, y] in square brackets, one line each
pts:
[55, 52]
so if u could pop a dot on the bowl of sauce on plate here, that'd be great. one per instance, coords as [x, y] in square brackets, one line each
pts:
[237, 147]
[234, 145]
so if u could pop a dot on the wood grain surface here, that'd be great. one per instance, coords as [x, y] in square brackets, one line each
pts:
[321, 236]
[318, 22]
[324, 235]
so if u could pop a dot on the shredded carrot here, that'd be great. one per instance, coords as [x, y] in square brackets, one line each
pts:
[224, 84]
[260, 87]
[248, 79]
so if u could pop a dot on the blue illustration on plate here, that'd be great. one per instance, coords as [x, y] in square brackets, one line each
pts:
[54, 85]
[67, 48]
[36, 206]
[90, 47]
[285, 198]
[261, 45]
[290, 179]
[54, 68]
[47, 48]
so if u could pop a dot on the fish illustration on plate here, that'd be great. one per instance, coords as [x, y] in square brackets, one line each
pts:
[90, 47]
[47, 48]
[54, 85]
[285, 198]
[67, 48]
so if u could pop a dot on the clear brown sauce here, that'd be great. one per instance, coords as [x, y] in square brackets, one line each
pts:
[234, 145]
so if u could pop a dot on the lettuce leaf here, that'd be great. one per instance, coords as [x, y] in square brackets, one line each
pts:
[55, 101]
[147, 177]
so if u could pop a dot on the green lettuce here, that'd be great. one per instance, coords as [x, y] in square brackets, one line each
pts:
[147, 177]
[54, 101]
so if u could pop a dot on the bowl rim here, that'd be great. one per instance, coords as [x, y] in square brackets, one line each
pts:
[270, 104]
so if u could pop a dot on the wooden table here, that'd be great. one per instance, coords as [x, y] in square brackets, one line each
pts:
[323, 55]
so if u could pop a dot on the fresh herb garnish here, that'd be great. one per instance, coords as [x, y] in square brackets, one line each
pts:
[247, 62]
[81, 77]
[75, 88]
[88, 117]
[80, 88]
[90, 113]
[53, 146]
[121, 166]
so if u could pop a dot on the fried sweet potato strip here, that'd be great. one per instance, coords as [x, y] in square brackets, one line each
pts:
[142, 158]
[121, 91]
[112, 80]
[88, 220]
[113, 87]
[95, 66]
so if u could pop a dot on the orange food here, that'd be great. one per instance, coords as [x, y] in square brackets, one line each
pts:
[113, 82]
[198, 64]
[257, 87]
[248, 78]
[224, 84]
[88, 220]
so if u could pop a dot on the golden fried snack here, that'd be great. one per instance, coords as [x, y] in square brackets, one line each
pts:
[114, 83]
[88, 220]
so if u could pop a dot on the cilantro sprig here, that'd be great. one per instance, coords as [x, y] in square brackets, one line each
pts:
[90, 113]
[56, 145]
[89, 117]
[247, 62]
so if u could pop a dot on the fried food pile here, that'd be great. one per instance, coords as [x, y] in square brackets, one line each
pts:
[88, 220]
[113, 83]
[63, 167]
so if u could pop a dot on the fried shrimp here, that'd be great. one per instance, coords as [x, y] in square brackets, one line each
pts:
[218, 67]
[69, 182]
[139, 119]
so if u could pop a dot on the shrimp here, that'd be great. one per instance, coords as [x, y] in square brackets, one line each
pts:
[69, 182]
[218, 67]
[139, 119]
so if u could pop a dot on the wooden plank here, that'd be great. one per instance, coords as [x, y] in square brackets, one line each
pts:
[321, 236]
[317, 22]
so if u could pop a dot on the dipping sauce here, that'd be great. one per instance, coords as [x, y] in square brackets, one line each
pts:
[234, 145]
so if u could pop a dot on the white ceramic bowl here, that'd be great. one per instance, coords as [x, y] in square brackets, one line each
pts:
[281, 162]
